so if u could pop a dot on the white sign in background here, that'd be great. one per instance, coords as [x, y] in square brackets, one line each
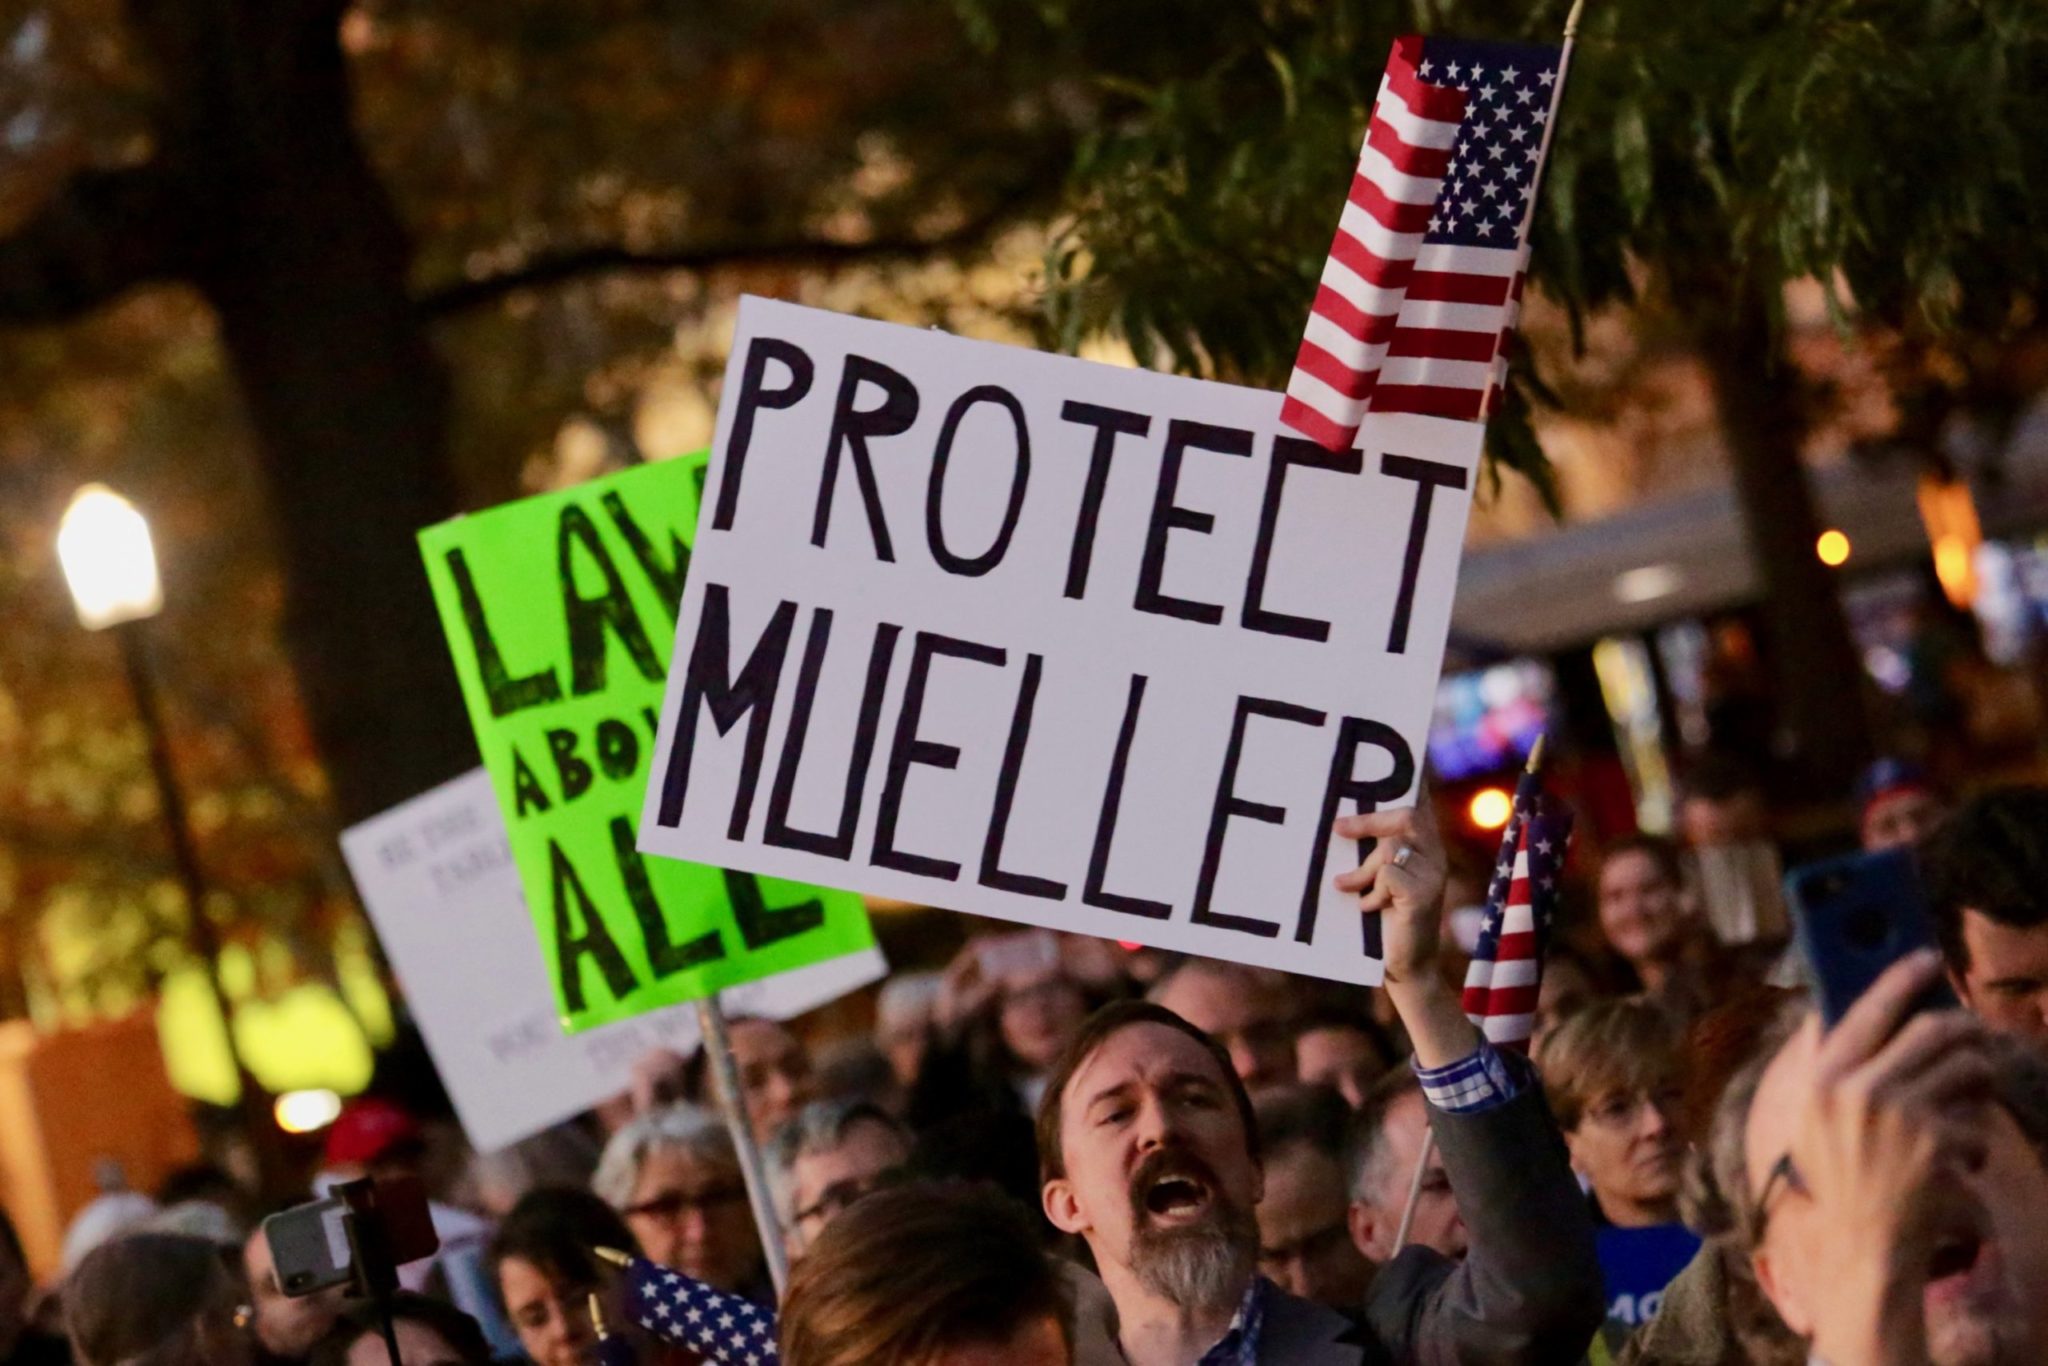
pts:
[438, 880]
[1069, 644]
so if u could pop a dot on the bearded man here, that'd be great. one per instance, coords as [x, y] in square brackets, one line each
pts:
[1149, 1151]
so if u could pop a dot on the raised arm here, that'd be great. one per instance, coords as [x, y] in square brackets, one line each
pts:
[1529, 1288]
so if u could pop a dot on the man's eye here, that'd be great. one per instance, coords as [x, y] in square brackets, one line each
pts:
[1116, 1116]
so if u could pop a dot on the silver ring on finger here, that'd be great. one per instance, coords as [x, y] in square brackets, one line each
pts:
[1402, 854]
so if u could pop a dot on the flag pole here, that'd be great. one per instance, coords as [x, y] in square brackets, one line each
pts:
[1564, 66]
[1530, 769]
[1564, 62]
[725, 1082]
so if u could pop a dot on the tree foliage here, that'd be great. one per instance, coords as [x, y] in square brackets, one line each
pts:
[1890, 148]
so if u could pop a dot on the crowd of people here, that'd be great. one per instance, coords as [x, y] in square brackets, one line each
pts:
[1060, 1151]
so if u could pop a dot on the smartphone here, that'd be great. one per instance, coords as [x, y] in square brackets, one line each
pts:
[309, 1244]
[1008, 956]
[1855, 917]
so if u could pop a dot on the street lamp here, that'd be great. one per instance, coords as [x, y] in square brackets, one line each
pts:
[108, 558]
[109, 563]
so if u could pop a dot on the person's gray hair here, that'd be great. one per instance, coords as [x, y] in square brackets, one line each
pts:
[692, 1128]
[1368, 1157]
[819, 1127]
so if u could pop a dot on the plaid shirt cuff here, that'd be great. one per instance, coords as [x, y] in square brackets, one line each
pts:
[1480, 1081]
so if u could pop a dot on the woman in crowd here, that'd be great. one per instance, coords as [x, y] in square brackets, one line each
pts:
[1611, 1074]
[1654, 925]
[674, 1176]
[160, 1298]
[776, 1078]
[1007, 1005]
[544, 1263]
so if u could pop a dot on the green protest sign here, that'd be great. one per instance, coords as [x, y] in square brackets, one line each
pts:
[560, 611]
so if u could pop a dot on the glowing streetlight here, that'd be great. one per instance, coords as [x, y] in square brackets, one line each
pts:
[109, 562]
[306, 1112]
[1491, 808]
[1833, 548]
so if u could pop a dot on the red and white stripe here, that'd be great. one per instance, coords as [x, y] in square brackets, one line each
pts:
[1501, 991]
[1446, 343]
[1368, 278]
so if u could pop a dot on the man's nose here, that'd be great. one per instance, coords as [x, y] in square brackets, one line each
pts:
[1154, 1124]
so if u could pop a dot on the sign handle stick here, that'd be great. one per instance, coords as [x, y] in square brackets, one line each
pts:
[725, 1081]
[1414, 1189]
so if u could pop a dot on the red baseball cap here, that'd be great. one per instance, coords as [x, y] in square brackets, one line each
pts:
[369, 1128]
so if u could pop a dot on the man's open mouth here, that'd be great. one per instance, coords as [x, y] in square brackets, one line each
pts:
[1954, 1256]
[1177, 1197]
[1961, 1259]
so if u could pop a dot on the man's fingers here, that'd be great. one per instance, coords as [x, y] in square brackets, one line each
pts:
[1875, 1017]
[1378, 825]
[1949, 1088]
[1365, 874]
[1924, 1040]
[1358, 879]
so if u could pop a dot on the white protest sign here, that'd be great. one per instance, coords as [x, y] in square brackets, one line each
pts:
[1093, 648]
[438, 879]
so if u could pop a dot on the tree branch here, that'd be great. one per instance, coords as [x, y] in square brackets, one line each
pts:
[461, 296]
[103, 233]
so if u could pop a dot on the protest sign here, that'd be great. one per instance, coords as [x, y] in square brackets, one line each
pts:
[560, 611]
[437, 876]
[1086, 647]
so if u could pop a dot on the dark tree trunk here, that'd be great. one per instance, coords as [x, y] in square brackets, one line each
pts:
[350, 408]
[1816, 674]
[260, 195]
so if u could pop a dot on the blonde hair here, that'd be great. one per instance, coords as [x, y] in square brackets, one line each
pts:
[1619, 1047]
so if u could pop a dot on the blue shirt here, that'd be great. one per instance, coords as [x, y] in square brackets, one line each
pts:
[1478, 1081]
[1637, 1263]
[1240, 1346]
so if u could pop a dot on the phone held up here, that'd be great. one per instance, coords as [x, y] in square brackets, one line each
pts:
[357, 1238]
[1855, 916]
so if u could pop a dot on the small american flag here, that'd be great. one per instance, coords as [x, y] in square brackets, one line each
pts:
[1506, 975]
[688, 1313]
[1423, 284]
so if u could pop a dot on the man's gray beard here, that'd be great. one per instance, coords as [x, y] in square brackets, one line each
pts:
[1204, 1266]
